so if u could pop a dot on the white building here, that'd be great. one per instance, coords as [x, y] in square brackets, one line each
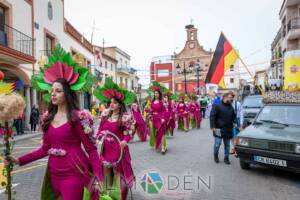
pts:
[232, 76]
[29, 30]
[17, 56]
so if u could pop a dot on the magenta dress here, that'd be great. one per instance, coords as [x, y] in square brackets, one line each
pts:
[69, 167]
[111, 150]
[198, 115]
[182, 113]
[171, 117]
[140, 125]
[158, 114]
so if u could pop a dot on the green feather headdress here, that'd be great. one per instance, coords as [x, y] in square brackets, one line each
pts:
[61, 66]
[112, 90]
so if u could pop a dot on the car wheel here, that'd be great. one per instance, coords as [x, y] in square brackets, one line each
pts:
[244, 165]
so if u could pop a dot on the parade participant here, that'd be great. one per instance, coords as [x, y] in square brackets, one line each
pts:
[192, 112]
[198, 114]
[140, 125]
[119, 176]
[66, 131]
[170, 114]
[158, 123]
[222, 119]
[182, 114]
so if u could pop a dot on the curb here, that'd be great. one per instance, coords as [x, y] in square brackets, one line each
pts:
[25, 137]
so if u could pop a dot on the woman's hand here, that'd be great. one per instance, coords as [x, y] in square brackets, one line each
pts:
[123, 144]
[12, 160]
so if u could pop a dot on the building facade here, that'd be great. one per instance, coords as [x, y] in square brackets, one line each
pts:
[17, 46]
[287, 38]
[191, 64]
[162, 70]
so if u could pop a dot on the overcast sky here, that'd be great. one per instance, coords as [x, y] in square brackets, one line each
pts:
[148, 28]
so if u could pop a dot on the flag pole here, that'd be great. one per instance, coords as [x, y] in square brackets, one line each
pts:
[247, 69]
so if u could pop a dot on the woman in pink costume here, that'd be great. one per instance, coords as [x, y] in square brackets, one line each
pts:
[119, 176]
[158, 122]
[192, 114]
[198, 114]
[140, 125]
[182, 113]
[70, 168]
[65, 129]
[170, 114]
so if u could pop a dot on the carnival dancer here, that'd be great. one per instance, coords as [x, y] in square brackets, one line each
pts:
[198, 114]
[192, 113]
[170, 114]
[66, 129]
[119, 176]
[158, 122]
[182, 114]
[140, 125]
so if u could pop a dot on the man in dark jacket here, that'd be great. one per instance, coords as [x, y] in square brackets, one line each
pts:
[222, 119]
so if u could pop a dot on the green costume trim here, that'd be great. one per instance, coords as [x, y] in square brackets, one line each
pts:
[46, 191]
[152, 136]
[181, 125]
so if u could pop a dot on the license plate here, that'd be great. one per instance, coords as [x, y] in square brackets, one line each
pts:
[270, 161]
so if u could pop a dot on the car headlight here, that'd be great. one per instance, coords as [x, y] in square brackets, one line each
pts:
[243, 141]
[297, 148]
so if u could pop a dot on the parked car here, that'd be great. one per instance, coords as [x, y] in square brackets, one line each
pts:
[273, 139]
[251, 106]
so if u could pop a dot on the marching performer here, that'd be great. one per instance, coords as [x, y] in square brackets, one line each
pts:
[192, 113]
[140, 125]
[118, 171]
[198, 114]
[70, 169]
[158, 121]
[182, 114]
[170, 114]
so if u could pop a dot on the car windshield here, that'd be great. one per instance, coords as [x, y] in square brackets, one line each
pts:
[286, 115]
[252, 102]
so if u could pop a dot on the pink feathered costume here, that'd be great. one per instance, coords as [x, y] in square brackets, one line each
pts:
[70, 169]
[140, 125]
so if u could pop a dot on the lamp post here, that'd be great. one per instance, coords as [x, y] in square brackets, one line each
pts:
[197, 70]
[184, 72]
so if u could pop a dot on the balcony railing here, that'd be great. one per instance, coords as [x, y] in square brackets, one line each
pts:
[14, 39]
[293, 24]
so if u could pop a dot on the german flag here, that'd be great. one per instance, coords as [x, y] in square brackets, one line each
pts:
[224, 56]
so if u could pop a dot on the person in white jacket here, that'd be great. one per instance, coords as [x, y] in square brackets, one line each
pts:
[238, 109]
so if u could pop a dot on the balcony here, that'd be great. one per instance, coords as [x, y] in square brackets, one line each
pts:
[293, 29]
[16, 46]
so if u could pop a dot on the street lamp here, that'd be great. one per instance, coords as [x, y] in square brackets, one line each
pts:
[184, 72]
[198, 70]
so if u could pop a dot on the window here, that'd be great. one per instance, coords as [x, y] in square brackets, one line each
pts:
[111, 67]
[132, 85]
[88, 64]
[49, 45]
[231, 80]
[162, 72]
[231, 68]
[50, 10]
[121, 79]
[2, 18]
[105, 64]
[126, 83]
[125, 63]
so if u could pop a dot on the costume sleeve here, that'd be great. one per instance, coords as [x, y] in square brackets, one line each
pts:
[128, 125]
[39, 153]
[91, 149]
[213, 117]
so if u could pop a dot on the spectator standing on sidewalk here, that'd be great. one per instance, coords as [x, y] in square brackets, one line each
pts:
[34, 118]
[19, 123]
[222, 119]
[239, 115]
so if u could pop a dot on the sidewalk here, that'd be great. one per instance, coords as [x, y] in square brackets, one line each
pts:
[27, 135]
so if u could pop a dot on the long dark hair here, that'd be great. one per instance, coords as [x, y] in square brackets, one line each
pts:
[160, 96]
[121, 112]
[71, 105]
